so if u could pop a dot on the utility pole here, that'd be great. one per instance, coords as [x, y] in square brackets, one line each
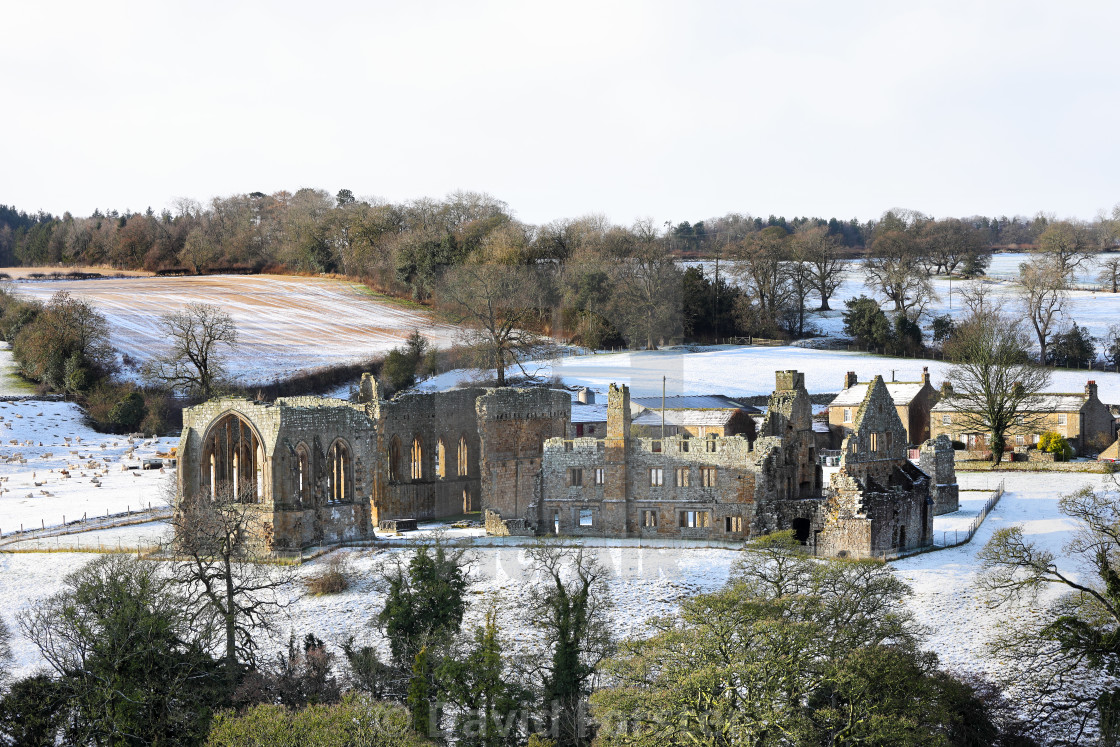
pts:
[662, 413]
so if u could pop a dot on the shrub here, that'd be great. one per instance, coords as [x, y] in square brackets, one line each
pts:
[1056, 444]
[127, 414]
[333, 579]
[398, 372]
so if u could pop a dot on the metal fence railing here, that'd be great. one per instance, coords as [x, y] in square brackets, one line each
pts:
[962, 537]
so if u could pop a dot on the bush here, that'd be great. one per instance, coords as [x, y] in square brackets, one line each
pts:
[333, 579]
[357, 720]
[127, 414]
[1073, 348]
[866, 323]
[398, 372]
[1056, 444]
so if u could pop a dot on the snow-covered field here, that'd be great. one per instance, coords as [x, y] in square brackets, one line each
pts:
[53, 466]
[1091, 309]
[285, 324]
[744, 371]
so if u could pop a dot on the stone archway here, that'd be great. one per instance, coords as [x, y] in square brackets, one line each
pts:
[233, 462]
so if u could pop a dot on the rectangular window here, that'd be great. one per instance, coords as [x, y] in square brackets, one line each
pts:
[711, 445]
[682, 477]
[600, 475]
[875, 442]
[1061, 418]
[1019, 440]
[585, 518]
[708, 477]
[847, 414]
[684, 445]
[656, 477]
[694, 519]
[1019, 420]
[946, 419]
[655, 447]
[649, 518]
[575, 477]
[733, 523]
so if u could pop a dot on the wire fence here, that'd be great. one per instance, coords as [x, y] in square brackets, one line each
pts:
[141, 515]
[959, 537]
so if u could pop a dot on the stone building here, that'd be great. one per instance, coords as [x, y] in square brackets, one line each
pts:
[733, 487]
[328, 470]
[1085, 421]
[912, 401]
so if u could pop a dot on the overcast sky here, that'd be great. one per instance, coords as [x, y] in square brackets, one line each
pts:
[674, 111]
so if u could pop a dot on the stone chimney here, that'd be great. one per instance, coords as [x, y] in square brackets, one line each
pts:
[850, 380]
[618, 412]
[1091, 389]
[788, 381]
[925, 375]
[946, 389]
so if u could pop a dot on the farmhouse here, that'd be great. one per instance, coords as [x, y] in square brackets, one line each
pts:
[1085, 421]
[328, 470]
[912, 400]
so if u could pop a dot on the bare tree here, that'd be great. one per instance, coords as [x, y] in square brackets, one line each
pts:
[1042, 291]
[799, 270]
[497, 305]
[1068, 244]
[1062, 660]
[977, 297]
[826, 268]
[895, 269]
[1110, 274]
[5, 651]
[231, 592]
[647, 298]
[569, 604]
[995, 384]
[950, 243]
[200, 335]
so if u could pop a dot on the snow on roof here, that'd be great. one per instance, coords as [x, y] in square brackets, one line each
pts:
[1043, 403]
[903, 393]
[710, 418]
[691, 402]
[582, 413]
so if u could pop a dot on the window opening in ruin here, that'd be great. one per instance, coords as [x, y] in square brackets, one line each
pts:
[462, 457]
[575, 477]
[417, 460]
[394, 459]
[556, 522]
[585, 518]
[682, 477]
[656, 477]
[600, 475]
[708, 477]
[694, 519]
[733, 523]
[590, 429]
[875, 442]
[567, 446]
[235, 457]
[655, 447]
[847, 414]
[711, 444]
[303, 475]
[649, 519]
[441, 460]
[339, 487]
[902, 537]
[684, 444]
[801, 530]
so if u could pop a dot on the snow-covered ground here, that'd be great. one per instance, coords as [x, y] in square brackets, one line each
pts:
[52, 465]
[10, 383]
[285, 324]
[744, 371]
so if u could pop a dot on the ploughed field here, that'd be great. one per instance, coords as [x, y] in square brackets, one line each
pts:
[285, 324]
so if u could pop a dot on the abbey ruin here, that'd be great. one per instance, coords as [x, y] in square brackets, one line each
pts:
[326, 470]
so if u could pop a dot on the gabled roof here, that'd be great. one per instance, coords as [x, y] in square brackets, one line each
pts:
[902, 392]
[596, 413]
[690, 402]
[1045, 402]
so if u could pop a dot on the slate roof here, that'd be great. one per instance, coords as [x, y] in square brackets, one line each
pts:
[1042, 403]
[708, 418]
[902, 392]
[690, 402]
[582, 413]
